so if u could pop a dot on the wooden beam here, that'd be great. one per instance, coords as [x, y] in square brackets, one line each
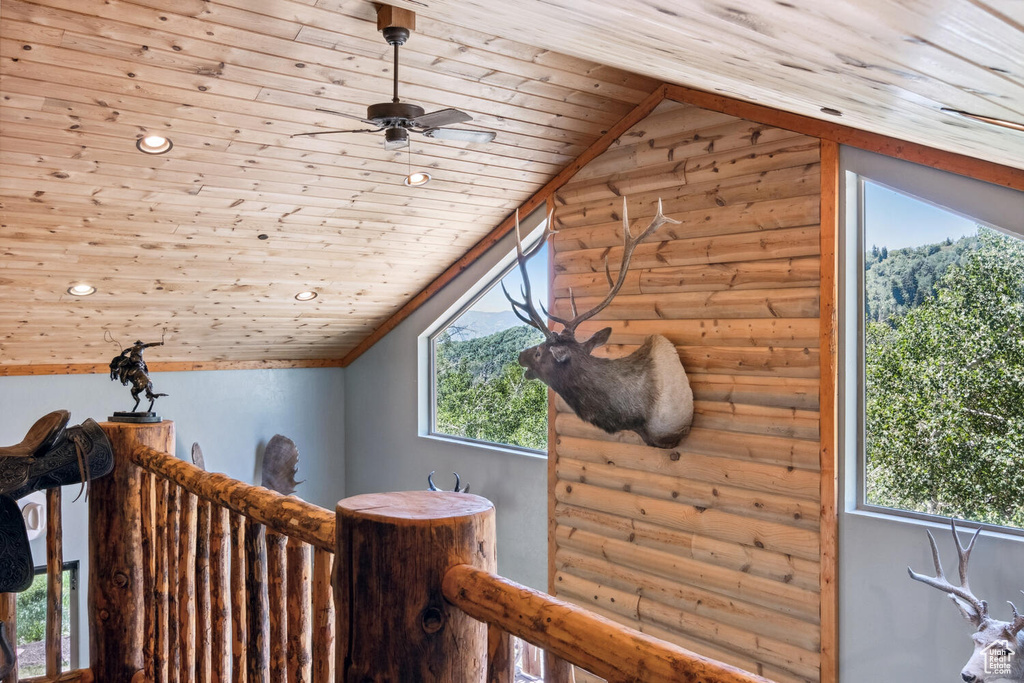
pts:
[827, 399]
[169, 366]
[388, 16]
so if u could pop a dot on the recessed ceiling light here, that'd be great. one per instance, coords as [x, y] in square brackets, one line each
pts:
[305, 296]
[154, 144]
[1013, 125]
[81, 290]
[417, 179]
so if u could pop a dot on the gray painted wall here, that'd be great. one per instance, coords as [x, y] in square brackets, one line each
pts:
[386, 451]
[891, 627]
[232, 414]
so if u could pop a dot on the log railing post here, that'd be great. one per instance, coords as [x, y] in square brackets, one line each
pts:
[115, 554]
[393, 623]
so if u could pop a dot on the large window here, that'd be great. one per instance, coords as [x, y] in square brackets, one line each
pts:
[479, 392]
[941, 334]
[31, 620]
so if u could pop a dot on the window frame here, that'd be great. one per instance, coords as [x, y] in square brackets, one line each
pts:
[981, 202]
[508, 263]
[73, 570]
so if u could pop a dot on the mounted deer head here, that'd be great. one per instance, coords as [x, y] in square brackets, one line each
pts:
[998, 645]
[646, 392]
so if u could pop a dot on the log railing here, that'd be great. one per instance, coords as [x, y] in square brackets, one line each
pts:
[212, 579]
[209, 579]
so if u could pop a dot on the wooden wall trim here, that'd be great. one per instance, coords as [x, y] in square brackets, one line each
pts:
[844, 135]
[541, 196]
[827, 397]
[168, 366]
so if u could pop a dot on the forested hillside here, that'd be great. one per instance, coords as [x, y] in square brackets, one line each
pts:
[898, 280]
[481, 392]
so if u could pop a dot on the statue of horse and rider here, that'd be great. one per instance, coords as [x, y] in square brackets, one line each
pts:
[130, 367]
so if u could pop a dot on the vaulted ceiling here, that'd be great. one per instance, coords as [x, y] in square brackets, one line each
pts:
[209, 243]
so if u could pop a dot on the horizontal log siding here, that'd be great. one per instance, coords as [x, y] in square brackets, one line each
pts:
[713, 544]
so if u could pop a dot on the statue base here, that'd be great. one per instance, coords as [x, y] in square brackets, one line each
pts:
[139, 417]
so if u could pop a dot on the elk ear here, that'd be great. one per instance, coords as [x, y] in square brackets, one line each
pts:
[600, 338]
[560, 353]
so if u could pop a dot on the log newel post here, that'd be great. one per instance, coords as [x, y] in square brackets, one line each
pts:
[393, 623]
[115, 555]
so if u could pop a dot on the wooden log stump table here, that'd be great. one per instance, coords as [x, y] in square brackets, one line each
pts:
[393, 622]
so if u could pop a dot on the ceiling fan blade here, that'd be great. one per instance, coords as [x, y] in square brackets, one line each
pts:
[347, 116]
[396, 144]
[328, 132]
[459, 134]
[441, 117]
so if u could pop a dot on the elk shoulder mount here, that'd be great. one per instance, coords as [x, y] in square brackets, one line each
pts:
[646, 392]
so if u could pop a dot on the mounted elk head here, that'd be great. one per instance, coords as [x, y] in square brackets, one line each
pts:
[646, 392]
[998, 645]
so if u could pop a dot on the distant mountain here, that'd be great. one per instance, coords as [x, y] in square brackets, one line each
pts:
[474, 324]
[485, 357]
[897, 280]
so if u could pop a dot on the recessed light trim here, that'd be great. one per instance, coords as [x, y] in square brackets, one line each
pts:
[305, 296]
[154, 144]
[417, 179]
[81, 289]
[991, 120]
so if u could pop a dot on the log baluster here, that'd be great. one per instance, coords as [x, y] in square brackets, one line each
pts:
[501, 661]
[54, 583]
[557, 670]
[174, 494]
[323, 618]
[220, 592]
[299, 598]
[115, 554]
[277, 595]
[203, 630]
[258, 659]
[239, 616]
[393, 551]
[161, 645]
[187, 587]
[9, 615]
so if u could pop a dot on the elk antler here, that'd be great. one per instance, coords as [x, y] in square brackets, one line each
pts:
[973, 609]
[524, 309]
[629, 243]
[1017, 624]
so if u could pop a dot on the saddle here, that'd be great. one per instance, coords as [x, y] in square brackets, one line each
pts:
[51, 455]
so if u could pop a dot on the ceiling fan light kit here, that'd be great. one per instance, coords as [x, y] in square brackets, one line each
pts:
[396, 118]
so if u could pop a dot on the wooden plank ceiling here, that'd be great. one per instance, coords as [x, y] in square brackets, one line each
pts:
[888, 66]
[172, 242]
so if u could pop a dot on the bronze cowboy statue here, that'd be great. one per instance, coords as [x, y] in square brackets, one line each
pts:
[51, 455]
[130, 367]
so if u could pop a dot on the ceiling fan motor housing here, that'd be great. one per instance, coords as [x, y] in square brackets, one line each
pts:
[393, 113]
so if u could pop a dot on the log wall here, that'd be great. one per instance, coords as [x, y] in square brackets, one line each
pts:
[715, 544]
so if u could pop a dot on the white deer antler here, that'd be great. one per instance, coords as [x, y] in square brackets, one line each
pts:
[973, 609]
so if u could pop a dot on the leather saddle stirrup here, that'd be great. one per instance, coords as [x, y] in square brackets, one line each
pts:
[16, 568]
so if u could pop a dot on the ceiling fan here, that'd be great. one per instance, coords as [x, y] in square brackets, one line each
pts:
[397, 119]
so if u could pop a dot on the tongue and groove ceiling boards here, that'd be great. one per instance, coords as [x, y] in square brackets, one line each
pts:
[888, 66]
[172, 242]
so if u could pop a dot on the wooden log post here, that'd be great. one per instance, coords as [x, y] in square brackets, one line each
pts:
[115, 555]
[9, 615]
[299, 593]
[393, 622]
[54, 583]
[220, 595]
